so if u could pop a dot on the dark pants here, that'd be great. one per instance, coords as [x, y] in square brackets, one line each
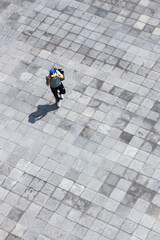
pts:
[61, 90]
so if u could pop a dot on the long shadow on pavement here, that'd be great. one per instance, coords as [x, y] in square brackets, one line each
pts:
[42, 111]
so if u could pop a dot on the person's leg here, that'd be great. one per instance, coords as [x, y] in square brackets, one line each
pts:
[55, 93]
[61, 89]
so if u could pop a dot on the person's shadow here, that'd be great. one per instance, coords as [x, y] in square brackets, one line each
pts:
[42, 111]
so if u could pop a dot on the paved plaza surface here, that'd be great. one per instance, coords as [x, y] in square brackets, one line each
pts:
[91, 169]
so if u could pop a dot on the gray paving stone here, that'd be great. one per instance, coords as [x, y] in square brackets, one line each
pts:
[45, 214]
[79, 231]
[15, 214]
[12, 237]
[52, 204]
[63, 209]
[8, 225]
[106, 189]
[72, 237]
[50, 231]
[12, 198]
[19, 188]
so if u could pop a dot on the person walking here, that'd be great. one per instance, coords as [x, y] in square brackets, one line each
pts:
[54, 78]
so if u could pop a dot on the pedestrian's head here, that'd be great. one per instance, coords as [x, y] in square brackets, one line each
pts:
[52, 72]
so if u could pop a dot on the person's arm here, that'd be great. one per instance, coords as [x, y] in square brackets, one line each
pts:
[59, 75]
[48, 78]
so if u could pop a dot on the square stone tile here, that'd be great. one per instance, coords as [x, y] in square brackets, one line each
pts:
[15, 214]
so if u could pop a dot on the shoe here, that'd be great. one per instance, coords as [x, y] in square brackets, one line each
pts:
[61, 96]
[58, 103]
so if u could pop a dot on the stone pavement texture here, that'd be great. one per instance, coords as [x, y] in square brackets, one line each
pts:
[91, 169]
